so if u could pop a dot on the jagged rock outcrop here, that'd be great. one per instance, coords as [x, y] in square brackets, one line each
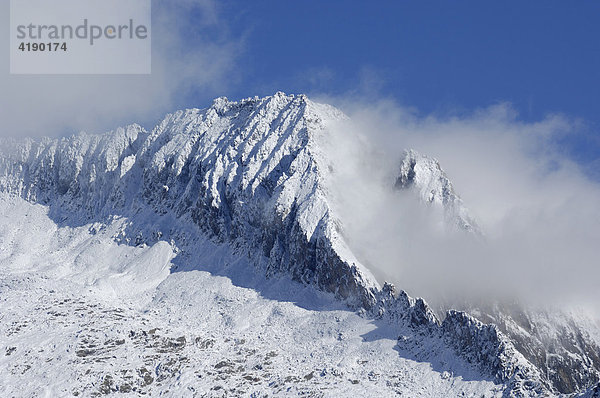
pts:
[425, 175]
[593, 392]
[552, 341]
[409, 311]
[487, 347]
[482, 345]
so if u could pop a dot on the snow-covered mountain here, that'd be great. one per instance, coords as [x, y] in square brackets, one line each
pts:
[156, 224]
[426, 176]
[557, 344]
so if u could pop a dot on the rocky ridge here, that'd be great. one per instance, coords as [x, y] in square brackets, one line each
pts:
[249, 174]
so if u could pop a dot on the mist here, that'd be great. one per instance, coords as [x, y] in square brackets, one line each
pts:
[189, 56]
[538, 211]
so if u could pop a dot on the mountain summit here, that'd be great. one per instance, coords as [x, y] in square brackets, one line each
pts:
[242, 188]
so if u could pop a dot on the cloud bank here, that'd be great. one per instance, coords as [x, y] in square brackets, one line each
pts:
[538, 210]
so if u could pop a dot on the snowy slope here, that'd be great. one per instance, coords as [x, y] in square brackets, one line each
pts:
[197, 230]
[81, 315]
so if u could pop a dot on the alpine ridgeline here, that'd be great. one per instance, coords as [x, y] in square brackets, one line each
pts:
[253, 176]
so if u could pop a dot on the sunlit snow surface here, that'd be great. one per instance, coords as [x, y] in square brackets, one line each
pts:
[81, 314]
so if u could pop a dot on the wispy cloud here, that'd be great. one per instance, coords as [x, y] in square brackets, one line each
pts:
[537, 208]
[192, 53]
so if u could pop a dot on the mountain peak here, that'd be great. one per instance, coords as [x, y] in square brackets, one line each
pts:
[424, 175]
[248, 178]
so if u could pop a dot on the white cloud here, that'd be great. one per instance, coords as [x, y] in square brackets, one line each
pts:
[190, 55]
[538, 210]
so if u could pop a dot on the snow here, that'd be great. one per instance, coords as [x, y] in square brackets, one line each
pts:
[426, 176]
[82, 314]
[208, 256]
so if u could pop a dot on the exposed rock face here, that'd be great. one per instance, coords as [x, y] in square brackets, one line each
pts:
[245, 173]
[250, 174]
[593, 392]
[487, 347]
[553, 342]
[425, 175]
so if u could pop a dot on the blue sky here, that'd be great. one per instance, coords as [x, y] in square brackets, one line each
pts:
[542, 56]
[441, 57]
